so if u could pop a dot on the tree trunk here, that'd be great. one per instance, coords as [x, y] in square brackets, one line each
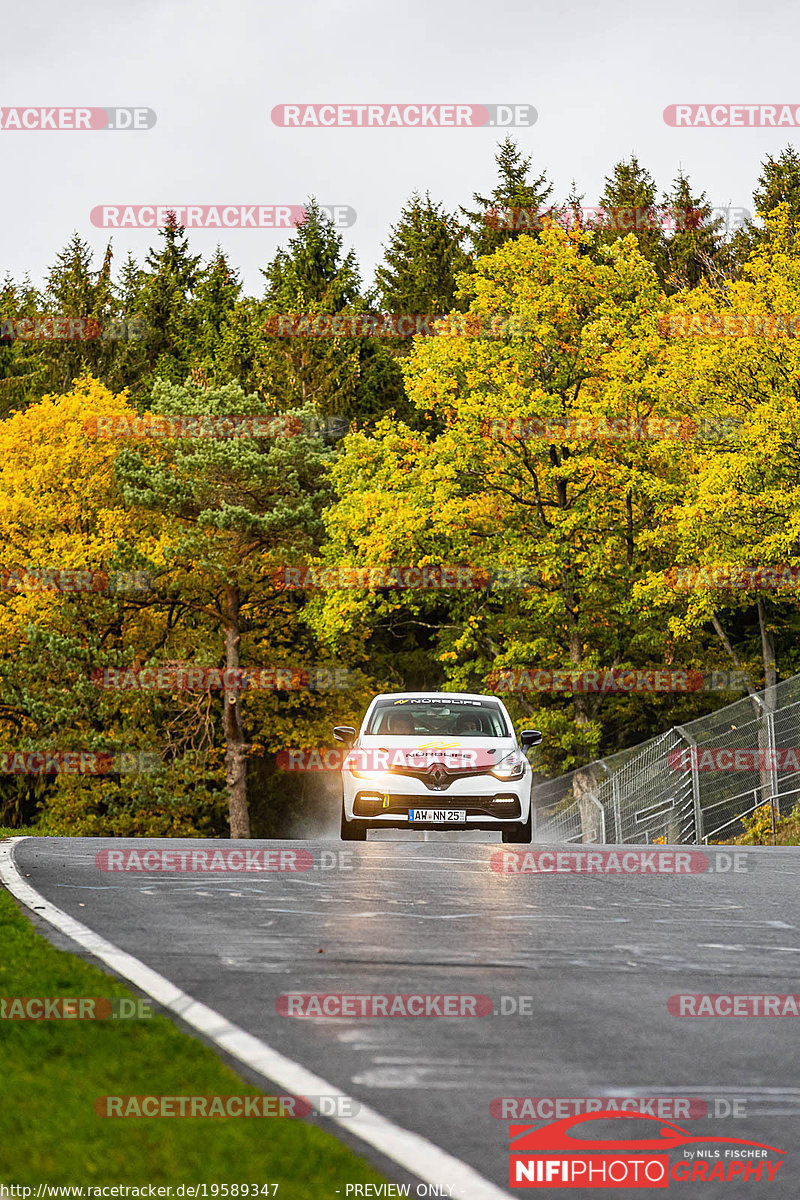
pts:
[235, 748]
[575, 647]
[767, 647]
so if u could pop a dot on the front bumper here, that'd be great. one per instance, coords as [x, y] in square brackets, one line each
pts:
[503, 807]
[488, 803]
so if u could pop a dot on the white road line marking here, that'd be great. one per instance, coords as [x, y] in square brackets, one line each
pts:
[415, 1154]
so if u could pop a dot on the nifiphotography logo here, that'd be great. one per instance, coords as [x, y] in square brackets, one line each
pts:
[578, 1152]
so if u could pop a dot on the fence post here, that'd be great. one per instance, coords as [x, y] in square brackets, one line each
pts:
[772, 752]
[594, 800]
[617, 809]
[584, 784]
[698, 812]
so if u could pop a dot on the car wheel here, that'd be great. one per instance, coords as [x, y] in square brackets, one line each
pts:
[520, 833]
[352, 831]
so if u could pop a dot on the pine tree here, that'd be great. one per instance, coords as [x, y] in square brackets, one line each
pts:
[355, 378]
[693, 247]
[132, 368]
[215, 297]
[74, 290]
[422, 260]
[312, 273]
[629, 206]
[778, 183]
[168, 282]
[235, 503]
[22, 373]
[514, 191]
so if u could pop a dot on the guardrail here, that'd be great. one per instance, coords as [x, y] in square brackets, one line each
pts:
[690, 784]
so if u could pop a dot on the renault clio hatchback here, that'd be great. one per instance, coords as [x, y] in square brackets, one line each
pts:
[436, 760]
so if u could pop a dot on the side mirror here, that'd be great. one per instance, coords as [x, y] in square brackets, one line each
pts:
[529, 737]
[344, 733]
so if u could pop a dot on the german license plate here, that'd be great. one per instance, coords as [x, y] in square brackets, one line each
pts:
[438, 816]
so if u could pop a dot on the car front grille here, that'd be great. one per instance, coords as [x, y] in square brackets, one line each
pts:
[503, 807]
[438, 780]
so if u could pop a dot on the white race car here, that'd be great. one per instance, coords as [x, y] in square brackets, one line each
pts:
[436, 760]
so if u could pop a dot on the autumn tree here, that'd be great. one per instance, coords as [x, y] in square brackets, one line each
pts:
[570, 510]
[738, 506]
[61, 512]
[237, 507]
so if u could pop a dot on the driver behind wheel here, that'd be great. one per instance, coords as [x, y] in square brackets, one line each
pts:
[468, 724]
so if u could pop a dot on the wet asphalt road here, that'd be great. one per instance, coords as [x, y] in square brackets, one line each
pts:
[597, 956]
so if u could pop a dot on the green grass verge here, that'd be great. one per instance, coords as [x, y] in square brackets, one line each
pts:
[53, 1071]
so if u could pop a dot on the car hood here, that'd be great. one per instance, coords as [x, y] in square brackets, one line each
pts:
[455, 753]
[433, 743]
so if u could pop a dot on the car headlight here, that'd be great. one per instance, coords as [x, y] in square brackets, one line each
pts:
[355, 765]
[510, 767]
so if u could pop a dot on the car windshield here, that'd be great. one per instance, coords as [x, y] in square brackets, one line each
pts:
[421, 717]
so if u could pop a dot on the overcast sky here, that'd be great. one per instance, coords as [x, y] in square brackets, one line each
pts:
[599, 75]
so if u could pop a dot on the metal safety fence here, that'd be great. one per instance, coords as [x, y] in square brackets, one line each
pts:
[693, 784]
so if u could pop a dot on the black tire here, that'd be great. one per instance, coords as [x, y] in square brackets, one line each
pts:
[352, 831]
[520, 834]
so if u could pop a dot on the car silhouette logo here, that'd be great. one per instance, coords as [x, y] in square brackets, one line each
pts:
[556, 1136]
